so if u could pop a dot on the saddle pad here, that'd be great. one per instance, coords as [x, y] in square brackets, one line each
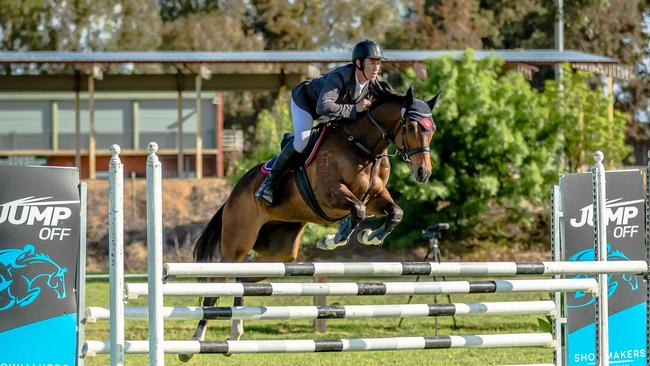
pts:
[307, 156]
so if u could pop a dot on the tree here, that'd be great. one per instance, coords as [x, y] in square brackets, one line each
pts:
[441, 24]
[494, 142]
[583, 121]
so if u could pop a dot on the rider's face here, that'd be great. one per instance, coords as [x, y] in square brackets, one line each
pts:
[371, 68]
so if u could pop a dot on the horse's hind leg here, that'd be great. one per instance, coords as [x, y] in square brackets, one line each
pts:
[202, 326]
[281, 242]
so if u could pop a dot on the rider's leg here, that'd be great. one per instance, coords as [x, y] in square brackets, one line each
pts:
[302, 123]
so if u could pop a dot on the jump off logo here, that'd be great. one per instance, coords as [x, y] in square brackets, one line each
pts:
[617, 213]
[24, 274]
[613, 281]
[39, 211]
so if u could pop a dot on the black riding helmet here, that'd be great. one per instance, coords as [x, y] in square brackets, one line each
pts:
[366, 49]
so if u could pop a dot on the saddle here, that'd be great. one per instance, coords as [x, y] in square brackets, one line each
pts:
[305, 158]
[317, 136]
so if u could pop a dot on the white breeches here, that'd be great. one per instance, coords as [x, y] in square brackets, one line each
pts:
[302, 123]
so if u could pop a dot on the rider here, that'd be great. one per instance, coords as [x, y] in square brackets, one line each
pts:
[339, 94]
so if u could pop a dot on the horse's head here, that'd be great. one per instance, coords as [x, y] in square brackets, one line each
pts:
[56, 282]
[414, 135]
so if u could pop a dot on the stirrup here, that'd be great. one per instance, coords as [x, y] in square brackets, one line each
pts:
[263, 192]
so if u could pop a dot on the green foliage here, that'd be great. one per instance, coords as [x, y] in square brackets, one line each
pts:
[494, 142]
[500, 140]
[271, 124]
[584, 122]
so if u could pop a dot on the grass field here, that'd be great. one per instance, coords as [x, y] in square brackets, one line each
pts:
[97, 295]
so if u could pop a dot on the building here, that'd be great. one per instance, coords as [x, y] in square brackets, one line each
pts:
[77, 104]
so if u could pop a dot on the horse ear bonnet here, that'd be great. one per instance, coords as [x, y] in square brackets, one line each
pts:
[420, 112]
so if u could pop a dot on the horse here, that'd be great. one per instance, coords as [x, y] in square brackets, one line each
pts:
[351, 168]
[23, 275]
[612, 255]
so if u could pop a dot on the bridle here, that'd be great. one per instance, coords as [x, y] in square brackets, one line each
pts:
[403, 151]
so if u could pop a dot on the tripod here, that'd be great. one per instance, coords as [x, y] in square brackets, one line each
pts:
[433, 234]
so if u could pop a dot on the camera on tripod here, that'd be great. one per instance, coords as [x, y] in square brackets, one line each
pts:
[435, 231]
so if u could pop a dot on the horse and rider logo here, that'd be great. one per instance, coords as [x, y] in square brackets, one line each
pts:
[24, 274]
[583, 299]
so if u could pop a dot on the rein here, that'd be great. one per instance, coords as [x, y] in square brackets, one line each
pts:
[402, 151]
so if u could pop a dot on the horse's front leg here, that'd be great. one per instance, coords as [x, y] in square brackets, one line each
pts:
[342, 197]
[380, 205]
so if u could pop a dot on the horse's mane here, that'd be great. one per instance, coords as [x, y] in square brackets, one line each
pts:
[385, 94]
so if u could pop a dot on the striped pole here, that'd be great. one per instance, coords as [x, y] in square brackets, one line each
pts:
[155, 257]
[342, 269]
[334, 312]
[338, 345]
[359, 289]
[600, 228]
[116, 254]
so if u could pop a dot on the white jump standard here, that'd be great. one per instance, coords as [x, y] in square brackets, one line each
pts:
[158, 274]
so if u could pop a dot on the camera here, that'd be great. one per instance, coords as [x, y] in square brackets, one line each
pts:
[435, 231]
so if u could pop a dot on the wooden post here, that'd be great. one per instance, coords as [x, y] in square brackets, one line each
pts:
[54, 135]
[135, 107]
[610, 98]
[181, 154]
[220, 134]
[91, 127]
[320, 325]
[199, 139]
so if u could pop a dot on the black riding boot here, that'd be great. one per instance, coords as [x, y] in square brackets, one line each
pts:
[280, 166]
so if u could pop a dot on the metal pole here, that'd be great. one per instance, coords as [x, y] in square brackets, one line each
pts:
[81, 280]
[155, 257]
[116, 254]
[77, 120]
[559, 38]
[600, 228]
[556, 214]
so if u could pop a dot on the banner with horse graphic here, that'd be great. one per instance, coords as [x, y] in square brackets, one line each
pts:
[39, 248]
[625, 241]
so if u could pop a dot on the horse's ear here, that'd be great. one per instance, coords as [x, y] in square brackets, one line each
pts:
[409, 96]
[434, 100]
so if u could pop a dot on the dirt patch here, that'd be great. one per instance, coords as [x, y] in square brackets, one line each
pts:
[188, 204]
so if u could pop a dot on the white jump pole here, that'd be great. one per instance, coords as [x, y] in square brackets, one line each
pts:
[155, 257]
[116, 255]
[600, 228]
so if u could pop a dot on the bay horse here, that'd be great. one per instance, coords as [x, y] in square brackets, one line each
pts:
[351, 169]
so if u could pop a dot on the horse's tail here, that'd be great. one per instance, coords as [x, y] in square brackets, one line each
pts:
[208, 246]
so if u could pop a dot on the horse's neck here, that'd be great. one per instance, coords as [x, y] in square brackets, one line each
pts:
[369, 135]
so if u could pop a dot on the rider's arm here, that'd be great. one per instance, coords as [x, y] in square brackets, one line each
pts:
[327, 105]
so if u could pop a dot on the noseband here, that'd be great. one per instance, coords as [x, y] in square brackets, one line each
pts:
[403, 151]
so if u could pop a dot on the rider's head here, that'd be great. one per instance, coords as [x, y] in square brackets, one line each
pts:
[367, 57]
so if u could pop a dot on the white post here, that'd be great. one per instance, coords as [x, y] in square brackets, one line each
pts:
[116, 255]
[155, 257]
[647, 256]
[556, 209]
[81, 295]
[600, 228]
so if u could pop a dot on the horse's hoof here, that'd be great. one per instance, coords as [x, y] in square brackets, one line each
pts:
[185, 358]
[364, 238]
[327, 243]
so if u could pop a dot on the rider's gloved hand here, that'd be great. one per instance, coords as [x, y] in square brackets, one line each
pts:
[363, 105]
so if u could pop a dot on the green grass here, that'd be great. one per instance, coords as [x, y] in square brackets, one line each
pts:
[97, 295]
